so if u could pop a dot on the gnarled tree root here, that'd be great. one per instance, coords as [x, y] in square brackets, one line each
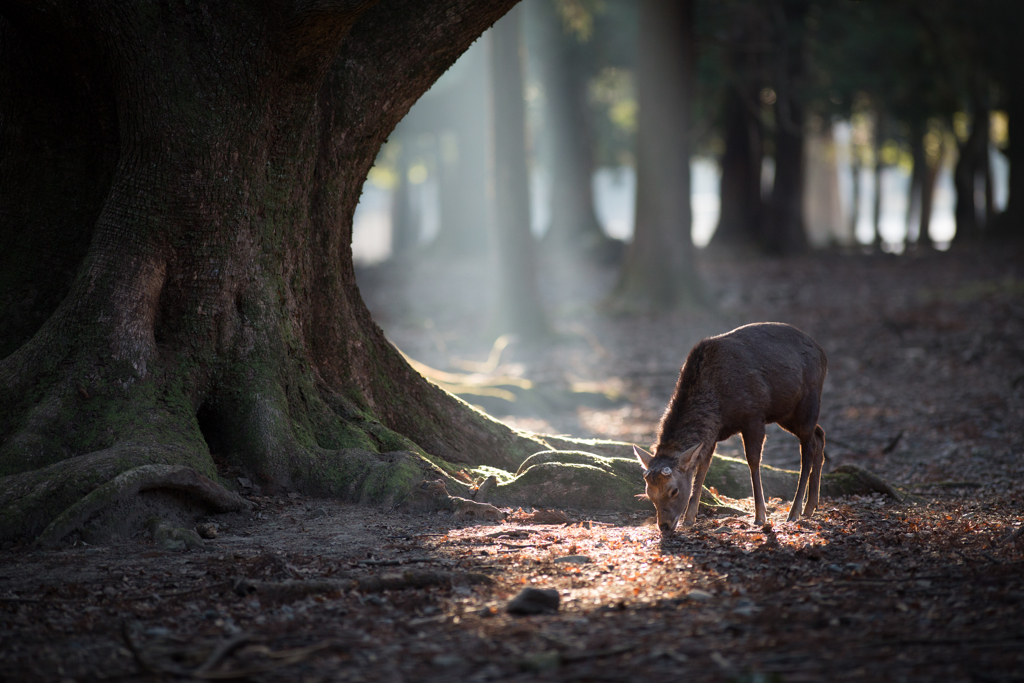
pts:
[613, 481]
[125, 488]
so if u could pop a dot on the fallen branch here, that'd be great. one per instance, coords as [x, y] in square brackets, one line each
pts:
[293, 590]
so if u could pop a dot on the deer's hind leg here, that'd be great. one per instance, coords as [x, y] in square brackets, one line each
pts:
[804, 424]
[818, 464]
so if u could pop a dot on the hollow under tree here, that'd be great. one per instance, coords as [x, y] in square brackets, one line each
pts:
[177, 186]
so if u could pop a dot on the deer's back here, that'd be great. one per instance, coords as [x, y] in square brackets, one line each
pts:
[756, 372]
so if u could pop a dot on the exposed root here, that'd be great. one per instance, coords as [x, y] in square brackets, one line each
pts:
[124, 488]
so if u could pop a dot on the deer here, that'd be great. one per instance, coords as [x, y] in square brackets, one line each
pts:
[736, 383]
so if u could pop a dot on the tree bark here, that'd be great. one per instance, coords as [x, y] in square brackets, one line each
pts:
[518, 309]
[195, 289]
[658, 272]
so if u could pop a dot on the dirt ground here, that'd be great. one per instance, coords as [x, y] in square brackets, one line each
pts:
[925, 388]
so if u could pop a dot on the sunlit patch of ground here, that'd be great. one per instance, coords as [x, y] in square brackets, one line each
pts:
[866, 590]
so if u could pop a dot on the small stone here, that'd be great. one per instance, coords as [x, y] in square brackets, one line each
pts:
[244, 483]
[207, 530]
[318, 513]
[110, 591]
[574, 559]
[699, 596]
[722, 530]
[534, 601]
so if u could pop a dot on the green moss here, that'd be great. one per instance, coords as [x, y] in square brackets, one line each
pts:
[503, 476]
[365, 477]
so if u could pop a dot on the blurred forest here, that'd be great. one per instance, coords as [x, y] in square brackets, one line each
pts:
[807, 125]
[693, 166]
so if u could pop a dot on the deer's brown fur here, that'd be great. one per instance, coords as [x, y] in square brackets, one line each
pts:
[736, 383]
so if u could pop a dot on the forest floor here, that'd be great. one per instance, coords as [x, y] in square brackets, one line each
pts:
[925, 388]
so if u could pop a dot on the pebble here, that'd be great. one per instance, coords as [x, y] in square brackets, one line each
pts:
[699, 595]
[574, 559]
[534, 601]
[207, 530]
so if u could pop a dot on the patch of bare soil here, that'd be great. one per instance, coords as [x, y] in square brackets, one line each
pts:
[926, 388]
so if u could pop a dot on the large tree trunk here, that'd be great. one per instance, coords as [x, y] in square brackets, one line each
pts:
[179, 208]
[658, 271]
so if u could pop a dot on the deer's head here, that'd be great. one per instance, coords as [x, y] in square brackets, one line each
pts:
[669, 483]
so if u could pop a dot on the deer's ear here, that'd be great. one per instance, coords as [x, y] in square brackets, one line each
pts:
[643, 456]
[688, 458]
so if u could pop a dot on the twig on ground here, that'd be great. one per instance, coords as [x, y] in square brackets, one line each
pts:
[392, 563]
[891, 446]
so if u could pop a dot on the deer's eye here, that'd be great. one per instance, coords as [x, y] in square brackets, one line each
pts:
[673, 493]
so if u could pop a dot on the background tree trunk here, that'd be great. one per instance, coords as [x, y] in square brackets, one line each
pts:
[518, 308]
[876, 210]
[742, 211]
[917, 176]
[658, 271]
[575, 230]
[462, 124]
[740, 194]
[404, 226]
[786, 233]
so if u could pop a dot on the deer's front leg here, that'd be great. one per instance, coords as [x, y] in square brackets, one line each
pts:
[693, 505]
[753, 441]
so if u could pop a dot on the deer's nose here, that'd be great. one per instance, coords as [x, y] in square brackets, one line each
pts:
[667, 528]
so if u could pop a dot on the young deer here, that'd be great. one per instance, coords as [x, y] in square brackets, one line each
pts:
[737, 383]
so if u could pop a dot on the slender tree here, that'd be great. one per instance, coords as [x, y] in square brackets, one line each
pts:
[565, 69]
[785, 233]
[518, 308]
[658, 271]
[742, 212]
[459, 117]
